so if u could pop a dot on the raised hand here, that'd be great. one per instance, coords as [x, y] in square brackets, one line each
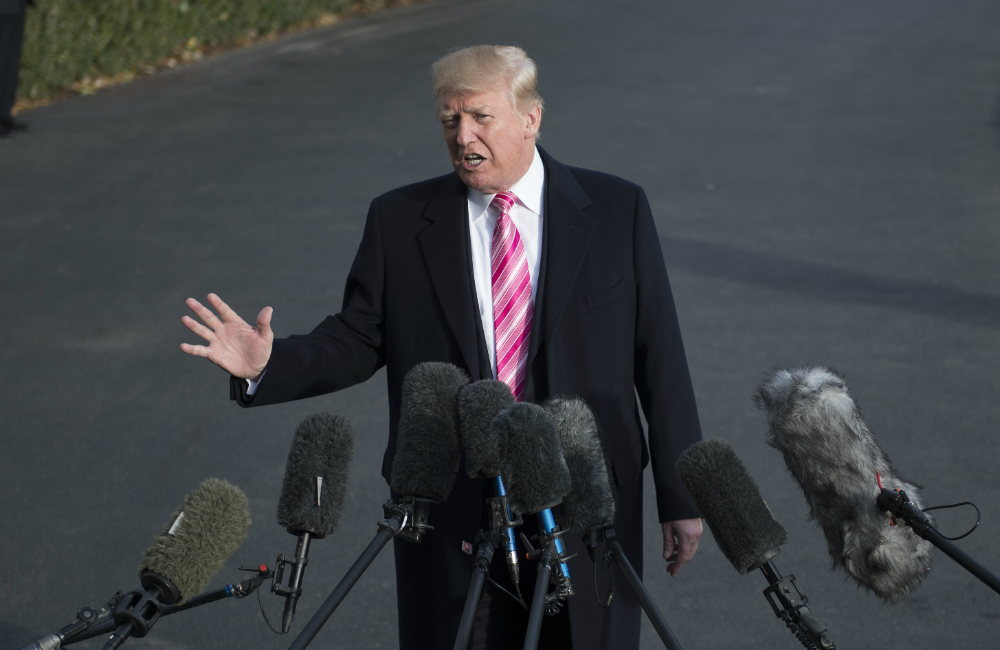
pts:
[233, 345]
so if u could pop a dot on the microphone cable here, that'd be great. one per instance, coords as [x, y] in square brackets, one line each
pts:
[606, 561]
[262, 612]
[979, 517]
[518, 598]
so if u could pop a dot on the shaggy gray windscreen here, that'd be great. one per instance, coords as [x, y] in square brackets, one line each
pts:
[478, 404]
[531, 460]
[730, 501]
[323, 446]
[427, 444]
[592, 499]
[190, 551]
[832, 454]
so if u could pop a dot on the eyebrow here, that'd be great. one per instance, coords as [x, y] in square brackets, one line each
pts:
[471, 110]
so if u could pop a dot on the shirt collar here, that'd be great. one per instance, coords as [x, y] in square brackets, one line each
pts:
[528, 190]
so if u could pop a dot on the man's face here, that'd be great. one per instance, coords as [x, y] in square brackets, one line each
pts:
[491, 145]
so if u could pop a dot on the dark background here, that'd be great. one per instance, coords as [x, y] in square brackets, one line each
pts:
[825, 181]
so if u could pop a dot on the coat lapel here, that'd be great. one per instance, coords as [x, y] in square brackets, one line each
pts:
[444, 244]
[566, 238]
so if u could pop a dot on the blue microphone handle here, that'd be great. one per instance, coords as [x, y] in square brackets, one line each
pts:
[512, 562]
[548, 525]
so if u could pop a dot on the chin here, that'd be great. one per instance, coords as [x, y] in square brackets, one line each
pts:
[474, 180]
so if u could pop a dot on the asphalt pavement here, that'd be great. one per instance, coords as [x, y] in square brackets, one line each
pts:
[826, 182]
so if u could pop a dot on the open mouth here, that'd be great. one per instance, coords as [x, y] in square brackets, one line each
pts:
[473, 159]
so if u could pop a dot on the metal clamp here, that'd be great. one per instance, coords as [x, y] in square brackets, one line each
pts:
[548, 551]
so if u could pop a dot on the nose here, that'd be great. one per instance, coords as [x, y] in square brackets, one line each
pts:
[466, 134]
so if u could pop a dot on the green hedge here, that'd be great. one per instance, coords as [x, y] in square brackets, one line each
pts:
[67, 41]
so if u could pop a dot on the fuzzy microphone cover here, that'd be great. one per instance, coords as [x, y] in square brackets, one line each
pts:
[202, 533]
[729, 499]
[478, 404]
[427, 444]
[531, 460]
[592, 499]
[323, 446]
[834, 457]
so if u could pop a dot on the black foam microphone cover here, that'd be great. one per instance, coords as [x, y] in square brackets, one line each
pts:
[427, 441]
[531, 460]
[317, 475]
[203, 532]
[833, 455]
[478, 404]
[730, 501]
[592, 499]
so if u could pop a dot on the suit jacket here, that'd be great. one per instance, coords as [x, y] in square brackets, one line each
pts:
[605, 328]
[14, 7]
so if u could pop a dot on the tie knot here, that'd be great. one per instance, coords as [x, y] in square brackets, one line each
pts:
[504, 201]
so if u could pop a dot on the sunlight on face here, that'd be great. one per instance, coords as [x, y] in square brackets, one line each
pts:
[490, 143]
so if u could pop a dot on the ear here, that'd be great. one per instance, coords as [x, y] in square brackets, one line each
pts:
[532, 121]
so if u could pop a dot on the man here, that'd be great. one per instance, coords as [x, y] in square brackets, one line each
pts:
[11, 40]
[517, 267]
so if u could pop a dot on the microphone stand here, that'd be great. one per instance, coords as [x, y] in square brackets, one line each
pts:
[552, 555]
[899, 506]
[605, 532]
[92, 622]
[408, 519]
[501, 523]
[789, 604]
[293, 588]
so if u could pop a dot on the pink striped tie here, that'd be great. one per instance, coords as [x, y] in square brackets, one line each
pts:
[512, 304]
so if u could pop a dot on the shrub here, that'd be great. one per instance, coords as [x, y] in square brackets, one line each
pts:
[69, 43]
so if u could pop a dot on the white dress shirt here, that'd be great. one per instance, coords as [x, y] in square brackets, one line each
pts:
[527, 216]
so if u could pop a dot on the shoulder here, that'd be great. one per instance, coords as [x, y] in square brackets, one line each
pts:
[414, 197]
[604, 185]
[587, 186]
[610, 199]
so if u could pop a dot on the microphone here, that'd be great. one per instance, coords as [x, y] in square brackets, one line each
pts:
[592, 501]
[729, 499]
[833, 455]
[427, 441]
[746, 531]
[423, 472]
[317, 475]
[205, 530]
[589, 508]
[537, 478]
[530, 458]
[478, 404]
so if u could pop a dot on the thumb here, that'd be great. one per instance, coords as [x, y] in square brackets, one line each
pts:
[264, 322]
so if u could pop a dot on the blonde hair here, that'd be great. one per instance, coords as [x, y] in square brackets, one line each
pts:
[482, 68]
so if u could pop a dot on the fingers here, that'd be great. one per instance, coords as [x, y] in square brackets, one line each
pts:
[225, 313]
[203, 312]
[669, 547]
[198, 328]
[196, 350]
[685, 553]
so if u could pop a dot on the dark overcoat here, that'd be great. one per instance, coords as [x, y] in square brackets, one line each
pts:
[11, 41]
[605, 329]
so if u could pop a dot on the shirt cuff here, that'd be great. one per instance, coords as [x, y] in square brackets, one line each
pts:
[252, 384]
